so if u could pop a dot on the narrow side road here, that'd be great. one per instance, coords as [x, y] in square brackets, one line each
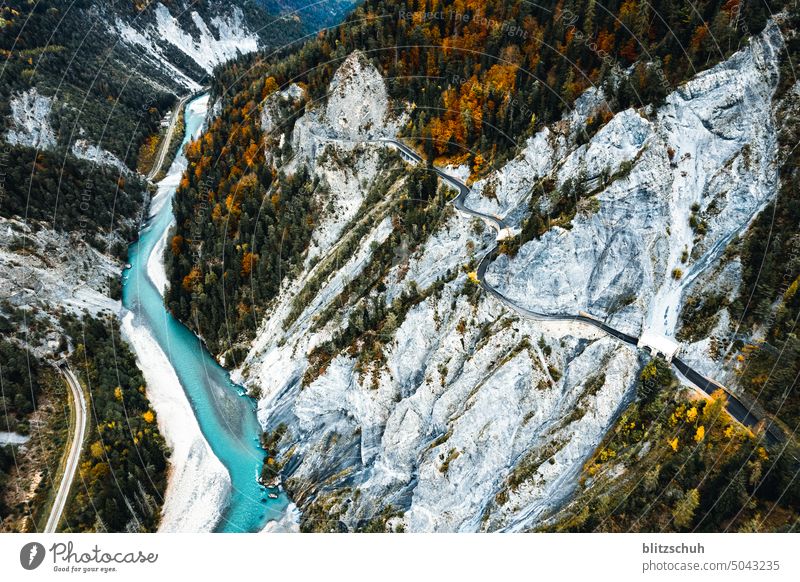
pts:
[74, 454]
[735, 407]
[162, 151]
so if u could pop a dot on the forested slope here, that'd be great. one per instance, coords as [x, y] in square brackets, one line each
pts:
[481, 76]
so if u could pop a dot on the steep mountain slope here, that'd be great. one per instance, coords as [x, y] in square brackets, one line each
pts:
[707, 156]
[401, 397]
[83, 86]
[673, 463]
[108, 68]
[481, 78]
[396, 394]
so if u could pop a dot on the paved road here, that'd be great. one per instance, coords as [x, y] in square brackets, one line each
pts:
[164, 149]
[735, 407]
[78, 434]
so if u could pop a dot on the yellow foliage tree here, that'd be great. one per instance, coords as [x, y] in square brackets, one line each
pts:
[177, 244]
[683, 514]
[700, 434]
[193, 150]
[270, 86]
[478, 164]
[251, 154]
[502, 78]
[96, 449]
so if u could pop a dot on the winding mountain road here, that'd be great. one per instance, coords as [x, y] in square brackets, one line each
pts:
[735, 407]
[74, 455]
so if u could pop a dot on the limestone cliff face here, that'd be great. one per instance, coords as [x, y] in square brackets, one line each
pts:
[179, 42]
[476, 419]
[708, 152]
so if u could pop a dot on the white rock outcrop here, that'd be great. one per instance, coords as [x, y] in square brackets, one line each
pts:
[357, 105]
[97, 155]
[232, 38]
[30, 120]
[710, 150]
[225, 36]
[336, 140]
[41, 268]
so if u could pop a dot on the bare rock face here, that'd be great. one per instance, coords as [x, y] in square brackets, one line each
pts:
[710, 151]
[476, 419]
[97, 155]
[358, 105]
[221, 36]
[41, 268]
[356, 111]
[30, 121]
[337, 142]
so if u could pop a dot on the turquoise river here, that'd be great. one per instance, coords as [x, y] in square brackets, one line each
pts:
[226, 415]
